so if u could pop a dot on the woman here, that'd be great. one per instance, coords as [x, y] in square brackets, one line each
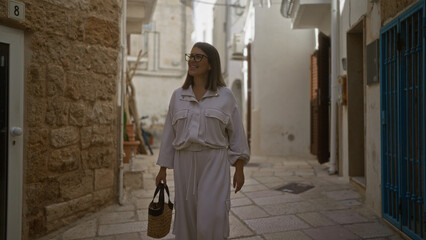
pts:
[203, 135]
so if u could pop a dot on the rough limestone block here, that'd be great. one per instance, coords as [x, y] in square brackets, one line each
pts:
[77, 115]
[106, 89]
[102, 196]
[104, 178]
[38, 136]
[36, 111]
[36, 169]
[36, 81]
[57, 111]
[60, 210]
[102, 8]
[97, 157]
[102, 129]
[73, 85]
[100, 31]
[88, 87]
[103, 113]
[86, 136]
[40, 194]
[102, 60]
[102, 139]
[55, 81]
[65, 136]
[64, 160]
[76, 184]
[74, 58]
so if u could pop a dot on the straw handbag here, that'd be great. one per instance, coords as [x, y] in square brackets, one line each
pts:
[160, 214]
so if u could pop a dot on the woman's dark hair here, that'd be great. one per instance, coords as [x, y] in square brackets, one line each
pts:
[215, 78]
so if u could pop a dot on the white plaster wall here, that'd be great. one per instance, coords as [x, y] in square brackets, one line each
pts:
[153, 96]
[372, 121]
[203, 24]
[281, 83]
[166, 68]
[352, 12]
[235, 21]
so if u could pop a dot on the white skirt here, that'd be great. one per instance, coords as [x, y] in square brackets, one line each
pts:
[202, 194]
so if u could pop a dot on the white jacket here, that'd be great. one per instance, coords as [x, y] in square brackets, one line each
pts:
[212, 122]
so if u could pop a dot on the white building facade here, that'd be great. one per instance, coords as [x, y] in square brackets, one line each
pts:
[377, 51]
[271, 84]
[162, 68]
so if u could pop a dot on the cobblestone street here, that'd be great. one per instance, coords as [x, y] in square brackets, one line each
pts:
[332, 209]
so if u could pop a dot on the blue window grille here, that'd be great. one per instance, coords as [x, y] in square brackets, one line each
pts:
[402, 55]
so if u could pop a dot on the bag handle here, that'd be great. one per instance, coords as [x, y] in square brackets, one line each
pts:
[160, 188]
[168, 196]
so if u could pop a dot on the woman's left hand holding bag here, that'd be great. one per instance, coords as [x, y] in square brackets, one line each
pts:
[161, 176]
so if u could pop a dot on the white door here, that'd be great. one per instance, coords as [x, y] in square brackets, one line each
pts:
[11, 131]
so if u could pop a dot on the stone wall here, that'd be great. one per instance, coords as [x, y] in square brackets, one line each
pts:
[71, 72]
[390, 8]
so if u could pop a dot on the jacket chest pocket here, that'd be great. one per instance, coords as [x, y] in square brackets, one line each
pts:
[180, 122]
[216, 122]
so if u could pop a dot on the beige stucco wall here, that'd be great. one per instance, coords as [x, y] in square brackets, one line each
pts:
[281, 83]
[70, 130]
[391, 8]
[165, 70]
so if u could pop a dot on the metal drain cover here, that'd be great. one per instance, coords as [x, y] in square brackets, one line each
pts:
[295, 188]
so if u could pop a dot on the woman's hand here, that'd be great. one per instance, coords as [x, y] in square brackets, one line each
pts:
[161, 176]
[238, 175]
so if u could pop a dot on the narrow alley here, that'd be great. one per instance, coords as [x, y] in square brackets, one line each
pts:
[328, 96]
[332, 209]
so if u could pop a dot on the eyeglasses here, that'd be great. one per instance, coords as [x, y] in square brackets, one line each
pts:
[195, 57]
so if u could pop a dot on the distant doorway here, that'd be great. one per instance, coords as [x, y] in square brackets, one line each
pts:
[320, 100]
[355, 87]
[4, 117]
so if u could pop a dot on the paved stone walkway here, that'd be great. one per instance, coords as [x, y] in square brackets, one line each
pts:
[332, 210]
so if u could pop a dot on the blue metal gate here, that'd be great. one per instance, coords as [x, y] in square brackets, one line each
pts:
[402, 54]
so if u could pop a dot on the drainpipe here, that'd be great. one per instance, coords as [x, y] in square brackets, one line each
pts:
[335, 63]
[227, 30]
[123, 52]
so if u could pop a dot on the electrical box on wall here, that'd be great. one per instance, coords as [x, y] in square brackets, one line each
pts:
[373, 62]
[238, 46]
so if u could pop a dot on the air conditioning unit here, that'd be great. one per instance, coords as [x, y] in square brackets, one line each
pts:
[238, 44]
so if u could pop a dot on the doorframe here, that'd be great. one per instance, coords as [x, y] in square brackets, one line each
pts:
[323, 62]
[15, 39]
[356, 103]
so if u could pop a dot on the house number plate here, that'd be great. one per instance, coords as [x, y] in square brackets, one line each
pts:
[16, 10]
